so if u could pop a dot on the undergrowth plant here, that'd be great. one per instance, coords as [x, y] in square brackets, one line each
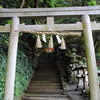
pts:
[23, 69]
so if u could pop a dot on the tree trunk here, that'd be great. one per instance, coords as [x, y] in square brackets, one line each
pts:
[35, 3]
[22, 3]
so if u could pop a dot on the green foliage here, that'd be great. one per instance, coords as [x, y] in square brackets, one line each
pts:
[10, 3]
[65, 20]
[92, 3]
[23, 73]
[23, 68]
[4, 41]
[98, 50]
[2, 71]
[98, 54]
[0, 6]
[49, 3]
[9, 21]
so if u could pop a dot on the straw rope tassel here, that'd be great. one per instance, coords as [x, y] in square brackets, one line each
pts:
[50, 43]
[38, 42]
[63, 45]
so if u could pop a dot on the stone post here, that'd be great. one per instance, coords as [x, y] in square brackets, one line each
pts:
[11, 60]
[90, 57]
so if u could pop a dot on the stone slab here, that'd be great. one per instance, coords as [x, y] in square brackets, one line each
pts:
[47, 12]
[72, 29]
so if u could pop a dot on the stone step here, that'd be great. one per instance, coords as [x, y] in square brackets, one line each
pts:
[46, 75]
[46, 95]
[44, 81]
[47, 69]
[45, 84]
[43, 98]
[53, 67]
[42, 76]
[42, 87]
[45, 78]
[44, 91]
[49, 74]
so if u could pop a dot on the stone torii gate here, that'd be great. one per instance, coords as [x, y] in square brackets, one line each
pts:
[86, 26]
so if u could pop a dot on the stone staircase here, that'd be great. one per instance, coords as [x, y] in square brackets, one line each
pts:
[45, 84]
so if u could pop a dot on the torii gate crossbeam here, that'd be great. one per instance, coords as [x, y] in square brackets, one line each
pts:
[85, 26]
[55, 12]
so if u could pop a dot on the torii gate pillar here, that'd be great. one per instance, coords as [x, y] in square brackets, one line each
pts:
[11, 60]
[90, 57]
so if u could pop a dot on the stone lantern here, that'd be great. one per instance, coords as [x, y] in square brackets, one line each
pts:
[74, 56]
[81, 68]
[74, 62]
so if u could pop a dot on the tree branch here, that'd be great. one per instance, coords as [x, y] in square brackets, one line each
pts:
[95, 45]
[22, 3]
